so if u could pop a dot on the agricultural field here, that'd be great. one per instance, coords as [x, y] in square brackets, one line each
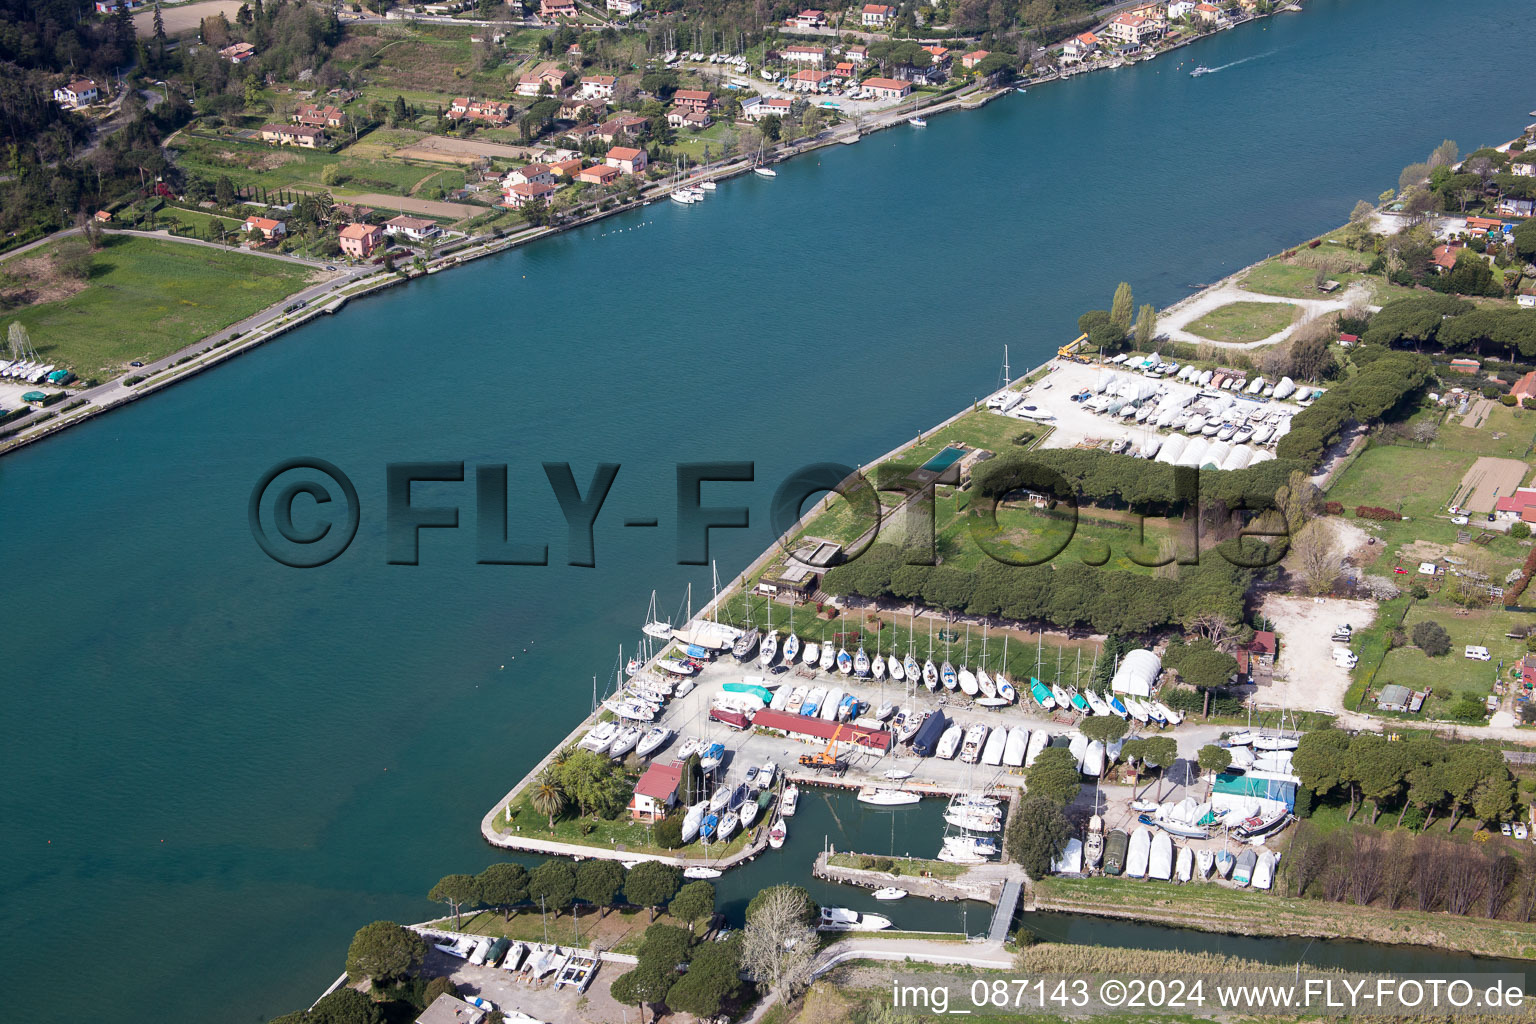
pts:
[1378, 474]
[1507, 433]
[143, 298]
[1244, 321]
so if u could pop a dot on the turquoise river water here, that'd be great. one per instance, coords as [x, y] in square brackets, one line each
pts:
[216, 768]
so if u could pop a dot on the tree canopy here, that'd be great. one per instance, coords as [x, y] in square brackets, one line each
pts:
[384, 952]
[651, 884]
[1054, 775]
[1037, 835]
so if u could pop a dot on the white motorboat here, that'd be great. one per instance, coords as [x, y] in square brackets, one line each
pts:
[970, 749]
[658, 629]
[1038, 741]
[1264, 870]
[777, 834]
[790, 800]
[769, 650]
[828, 659]
[997, 742]
[515, 956]
[890, 893]
[1139, 854]
[1015, 747]
[791, 649]
[841, 919]
[968, 684]
[895, 669]
[882, 797]
[949, 743]
[796, 700]
[812, 653]
[700, 873]
[930, 674]
[1186, 864]
[1160, 861]
[707, 186]
[765, 775]
[1093, 849]
[653, 741]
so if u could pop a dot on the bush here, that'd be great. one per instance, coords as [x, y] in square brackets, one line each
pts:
[1528, 403]
[669, 832]
[1507, 401]
[1333, 508]
[1520, 531]
[1375, 512]
[1431, 638]
[1419, 591]
[1303, 802]
[884, 864]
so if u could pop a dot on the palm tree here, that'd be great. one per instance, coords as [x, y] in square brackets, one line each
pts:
[547, 797]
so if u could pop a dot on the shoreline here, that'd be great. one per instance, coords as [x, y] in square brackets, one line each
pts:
[90, 403]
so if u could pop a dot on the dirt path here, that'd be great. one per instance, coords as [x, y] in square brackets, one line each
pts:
[1175, 318]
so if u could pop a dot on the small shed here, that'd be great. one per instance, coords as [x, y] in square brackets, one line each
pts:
[1394, 697]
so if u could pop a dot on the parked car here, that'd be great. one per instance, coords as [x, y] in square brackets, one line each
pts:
[1459, 520]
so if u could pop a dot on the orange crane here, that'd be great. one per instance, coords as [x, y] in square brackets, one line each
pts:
[827, 757]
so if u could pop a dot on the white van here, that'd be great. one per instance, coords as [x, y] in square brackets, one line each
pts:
[1478, 653]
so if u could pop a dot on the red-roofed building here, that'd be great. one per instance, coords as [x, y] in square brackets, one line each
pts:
[1206, 13]
[599, 175]
[817, 729]
[807, 19]
[757, 109]
[597, 87]
[492, 112]
[858, 54]
[1525, 387]
[1519, 507]
[940, 55]
[317, 116]
[886, 88]
[269, 230]
[1079, 46]
[810, 80]
[566, 168]
[1528, 670]
[843, 70]
[557, 8]
[1444, 256]
[656, 792]
[81, 92]
[1465, 365]
[359, 240]
[693, 99]
[519, 195]
[973, 58]
[1484, 225]
[628, 161]
[1258, 655]
[877, 15]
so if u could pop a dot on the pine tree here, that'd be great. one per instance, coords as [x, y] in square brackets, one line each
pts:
[1120, 309]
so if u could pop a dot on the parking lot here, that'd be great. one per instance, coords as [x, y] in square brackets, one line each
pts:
[539, 1000]
[1049, 401]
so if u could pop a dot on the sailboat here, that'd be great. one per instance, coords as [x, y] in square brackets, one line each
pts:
[877, 667]
[791, 645]
[758, 168]
[655, 626]
[948, 677]
[861, 663]
[845, 661]
[914, 120]
[770, 650]
[909, 664]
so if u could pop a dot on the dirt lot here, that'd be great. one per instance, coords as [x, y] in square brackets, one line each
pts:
[435, 147]
[429, 207]
[1486, 480]
[540, 1000]
[186, 18]
[1306, 677]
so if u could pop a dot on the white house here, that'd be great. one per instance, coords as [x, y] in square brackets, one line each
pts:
[812, 55]
[532, 174]
[79, 93]
[597, 87]
[1179, 8]
[1130, 28]
[416, 229]
[624, 8]
[877, 15]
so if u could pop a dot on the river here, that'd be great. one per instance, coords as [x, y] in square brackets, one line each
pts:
[218, 767]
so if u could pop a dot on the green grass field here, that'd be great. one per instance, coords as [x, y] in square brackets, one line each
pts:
[1507, 433]
[1380, 474]
[147, 298]
[271, 167]
[1245, 321]
[1454, 673]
